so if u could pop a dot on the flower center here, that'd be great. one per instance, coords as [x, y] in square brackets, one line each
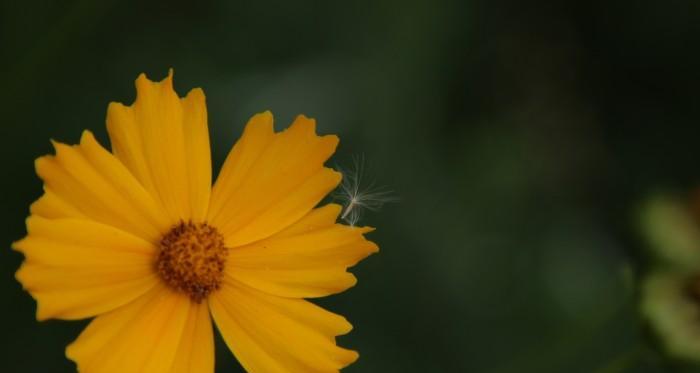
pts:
[191, 259]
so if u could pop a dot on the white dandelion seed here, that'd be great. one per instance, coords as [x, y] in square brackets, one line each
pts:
[356, 197]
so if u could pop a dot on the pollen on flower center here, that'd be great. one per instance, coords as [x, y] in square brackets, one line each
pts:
[191, 259]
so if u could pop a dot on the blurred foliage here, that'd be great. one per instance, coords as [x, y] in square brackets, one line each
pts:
[670, 292]
[519, 136]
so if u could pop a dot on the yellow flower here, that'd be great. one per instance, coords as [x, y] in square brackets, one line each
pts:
[139, 238]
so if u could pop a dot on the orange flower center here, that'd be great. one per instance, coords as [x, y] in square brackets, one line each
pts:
[191, 259]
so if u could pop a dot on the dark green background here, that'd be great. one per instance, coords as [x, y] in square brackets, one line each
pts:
[518, 135]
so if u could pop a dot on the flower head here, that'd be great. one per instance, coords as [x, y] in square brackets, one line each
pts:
[138, 238]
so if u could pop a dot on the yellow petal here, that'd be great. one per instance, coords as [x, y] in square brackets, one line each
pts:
[306, 283]
[271, 334]
[308, 259]
[270, 180]
[257, 136]
[86, 181]
[196, 350]
[78, 268]
[146, 335]
[322, 217]
[51, 206]
[163, 140]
